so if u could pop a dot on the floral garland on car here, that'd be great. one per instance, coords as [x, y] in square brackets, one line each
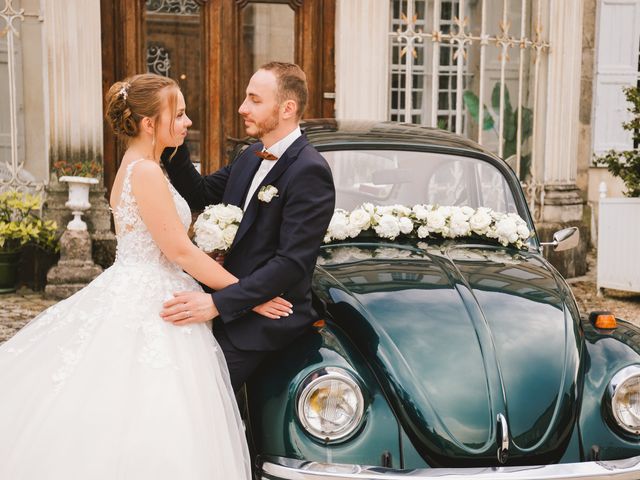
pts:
[424, 221]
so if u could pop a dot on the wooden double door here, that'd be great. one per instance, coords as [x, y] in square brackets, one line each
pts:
[211, 48]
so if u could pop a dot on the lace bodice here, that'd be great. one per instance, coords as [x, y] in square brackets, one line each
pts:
[135, 244]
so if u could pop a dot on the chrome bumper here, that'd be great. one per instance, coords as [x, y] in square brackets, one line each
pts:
[278, 468]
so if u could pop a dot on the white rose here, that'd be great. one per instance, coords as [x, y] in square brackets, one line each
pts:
[369, 208]
[506, 231]
[436, 221]
[401, 210]
[229, 233]
[423, 231]
[223, 214]
[406, 225]
[339, 225]
[467, 211]
[353, 231]
[360, 219]
[210, 238]
[523, 231]
[446, 210]
[497, 215]
[420, 212]
[480, 221]
[267, 193]
[458, 224]
[388, 227]
[384, 210]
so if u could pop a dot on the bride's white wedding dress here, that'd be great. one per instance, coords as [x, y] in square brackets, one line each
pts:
[100, 387]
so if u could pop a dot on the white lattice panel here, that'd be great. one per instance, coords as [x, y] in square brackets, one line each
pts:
[619, 244]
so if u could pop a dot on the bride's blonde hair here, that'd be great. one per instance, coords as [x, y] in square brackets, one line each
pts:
[129, 101]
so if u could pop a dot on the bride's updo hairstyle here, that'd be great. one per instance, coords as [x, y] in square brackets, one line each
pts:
[136, 97]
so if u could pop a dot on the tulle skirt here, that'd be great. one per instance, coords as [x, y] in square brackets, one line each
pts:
[98, 386]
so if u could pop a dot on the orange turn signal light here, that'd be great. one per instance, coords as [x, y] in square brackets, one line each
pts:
[604, 320]
[319, 324]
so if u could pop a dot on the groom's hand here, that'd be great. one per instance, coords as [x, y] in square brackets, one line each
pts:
[189, 307]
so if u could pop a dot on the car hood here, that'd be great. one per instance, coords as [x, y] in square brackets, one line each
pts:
[456, 336]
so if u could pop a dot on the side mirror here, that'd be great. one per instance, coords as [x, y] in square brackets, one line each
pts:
[564, 239]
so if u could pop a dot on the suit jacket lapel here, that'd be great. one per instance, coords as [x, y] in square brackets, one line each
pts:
[278, 169]
[239, 184]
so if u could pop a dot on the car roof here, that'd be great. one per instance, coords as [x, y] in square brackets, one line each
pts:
[329, 132]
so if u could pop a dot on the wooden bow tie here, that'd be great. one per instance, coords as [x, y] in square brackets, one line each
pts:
[266, 155]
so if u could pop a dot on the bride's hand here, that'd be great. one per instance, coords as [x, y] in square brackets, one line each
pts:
[274, 309]
[189, 307]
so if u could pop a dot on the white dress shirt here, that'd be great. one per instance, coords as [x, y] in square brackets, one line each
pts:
[277, 149]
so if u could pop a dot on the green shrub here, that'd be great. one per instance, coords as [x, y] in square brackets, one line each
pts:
[20, 224]
[626, 163]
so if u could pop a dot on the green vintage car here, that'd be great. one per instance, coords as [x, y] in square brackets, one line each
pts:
[442, 358]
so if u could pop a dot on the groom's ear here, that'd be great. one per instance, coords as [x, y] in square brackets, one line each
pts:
[290, 109]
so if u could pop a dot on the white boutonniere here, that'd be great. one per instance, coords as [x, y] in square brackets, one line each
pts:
[267, 193]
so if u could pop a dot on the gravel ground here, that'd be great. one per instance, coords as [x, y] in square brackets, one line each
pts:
[18, 308]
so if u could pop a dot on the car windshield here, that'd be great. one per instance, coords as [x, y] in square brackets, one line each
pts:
[388, 177]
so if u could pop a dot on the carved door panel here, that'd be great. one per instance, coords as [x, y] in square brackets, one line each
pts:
[243, 35]
[211, 48]
[173, 48]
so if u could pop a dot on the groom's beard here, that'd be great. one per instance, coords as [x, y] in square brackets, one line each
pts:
[260, 129]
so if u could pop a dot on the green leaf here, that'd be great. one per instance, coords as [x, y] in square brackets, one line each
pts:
[473, 106]
[508, 119]
[527, 122]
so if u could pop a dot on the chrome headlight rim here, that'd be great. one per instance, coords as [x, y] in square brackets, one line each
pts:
[614, 388]
[307, 386]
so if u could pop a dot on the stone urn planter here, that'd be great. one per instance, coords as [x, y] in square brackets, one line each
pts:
[76, 267]
[78, 199]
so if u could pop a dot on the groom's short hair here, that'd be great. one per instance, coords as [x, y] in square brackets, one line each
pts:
[292, 83]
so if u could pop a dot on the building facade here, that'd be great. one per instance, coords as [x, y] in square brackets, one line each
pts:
[539, 82]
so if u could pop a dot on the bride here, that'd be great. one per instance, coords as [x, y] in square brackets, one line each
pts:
[100, 387]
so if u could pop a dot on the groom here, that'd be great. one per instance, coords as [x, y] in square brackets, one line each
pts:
[275, 249]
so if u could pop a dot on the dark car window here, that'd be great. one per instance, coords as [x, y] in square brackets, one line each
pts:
[388, 177]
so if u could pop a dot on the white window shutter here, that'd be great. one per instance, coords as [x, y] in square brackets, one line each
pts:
[617, 51]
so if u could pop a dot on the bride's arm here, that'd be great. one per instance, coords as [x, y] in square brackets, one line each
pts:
[158, 212]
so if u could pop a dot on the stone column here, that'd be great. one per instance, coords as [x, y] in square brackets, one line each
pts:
[362, 59]
[562, 200]
[74, 70]
[73, 53]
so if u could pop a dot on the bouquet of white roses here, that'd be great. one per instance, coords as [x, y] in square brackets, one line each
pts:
[216, 227]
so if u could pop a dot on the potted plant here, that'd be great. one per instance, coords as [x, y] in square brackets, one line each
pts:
[80, 176]
[85, 169]
[619, 218]
[20, 225]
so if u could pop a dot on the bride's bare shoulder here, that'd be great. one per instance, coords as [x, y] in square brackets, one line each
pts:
[148, 175]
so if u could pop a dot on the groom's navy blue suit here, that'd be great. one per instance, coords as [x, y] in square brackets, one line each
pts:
[275, 249]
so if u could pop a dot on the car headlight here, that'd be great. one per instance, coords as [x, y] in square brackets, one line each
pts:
[330, 404]
[624, 392]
